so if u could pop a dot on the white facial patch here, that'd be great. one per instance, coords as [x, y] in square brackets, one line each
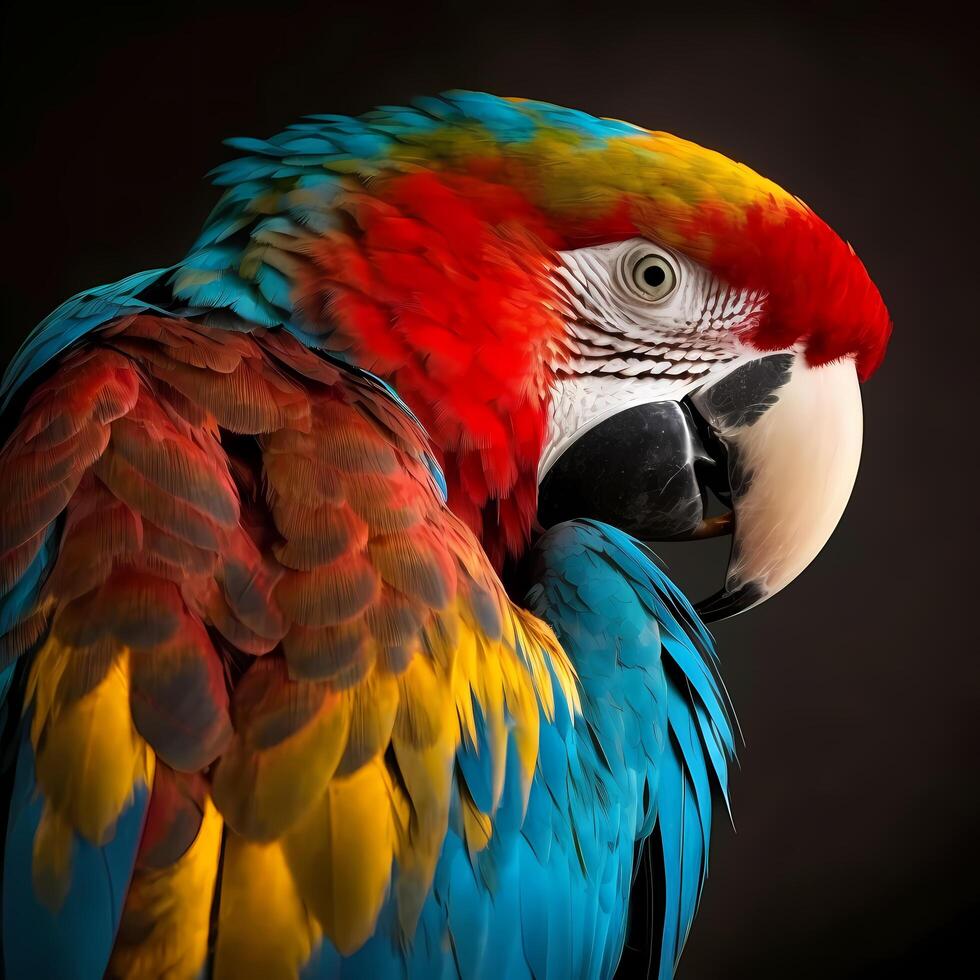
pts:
[631, 341]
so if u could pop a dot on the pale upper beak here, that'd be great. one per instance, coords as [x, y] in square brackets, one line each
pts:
[776, 440]
[791, 469]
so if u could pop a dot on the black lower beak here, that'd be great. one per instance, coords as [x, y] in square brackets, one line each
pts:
[645, 470]
[648, 471]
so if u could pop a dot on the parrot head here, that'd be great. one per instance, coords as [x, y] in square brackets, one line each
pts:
[590, 319]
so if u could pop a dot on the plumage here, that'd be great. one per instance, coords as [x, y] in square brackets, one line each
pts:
[166, 917]
[289, 739]
[295, 683]
[88, 753]
[72, 937]
[266, 931]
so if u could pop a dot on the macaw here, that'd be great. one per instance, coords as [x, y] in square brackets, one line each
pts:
[332, 644]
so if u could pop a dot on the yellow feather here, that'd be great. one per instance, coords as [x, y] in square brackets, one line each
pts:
[166, 919]
[442, 635]
[522, 706]
[263, 793]
[426, 767]
[341, 853]
[89, 755]
[541, 649]
[264, 929]
[477, 826]
[424, 703]
[489, 689]
[373, 704]
[463, 670]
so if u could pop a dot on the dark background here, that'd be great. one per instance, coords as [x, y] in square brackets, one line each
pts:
[856, 852]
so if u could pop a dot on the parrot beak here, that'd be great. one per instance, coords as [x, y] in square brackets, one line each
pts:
[776, 441]
[792, 435]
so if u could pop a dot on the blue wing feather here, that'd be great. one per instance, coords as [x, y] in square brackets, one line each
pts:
[637, 643]
[75, 941]
[71, 321]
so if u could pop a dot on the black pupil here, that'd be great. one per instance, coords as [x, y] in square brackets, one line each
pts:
[654, 275]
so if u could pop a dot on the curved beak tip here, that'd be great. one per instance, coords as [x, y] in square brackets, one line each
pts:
[792, 460]
[724, 603]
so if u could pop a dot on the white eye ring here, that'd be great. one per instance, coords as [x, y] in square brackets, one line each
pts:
[649, 274]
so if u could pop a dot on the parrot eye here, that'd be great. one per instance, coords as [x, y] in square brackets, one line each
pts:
[650, 275]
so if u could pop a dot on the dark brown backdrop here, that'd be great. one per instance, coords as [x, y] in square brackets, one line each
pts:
[857, 689]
